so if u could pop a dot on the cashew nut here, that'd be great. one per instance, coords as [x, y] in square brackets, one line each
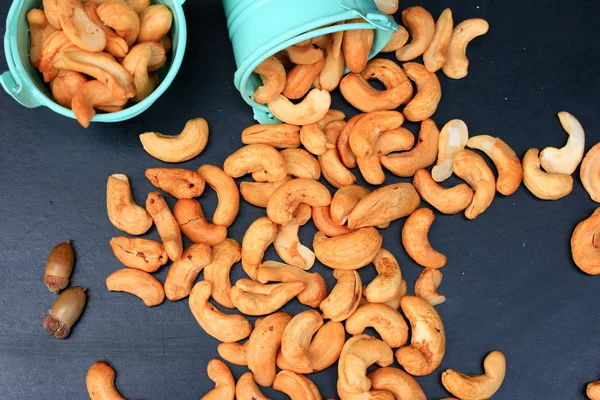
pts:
[303, 55]
[348, 252]
[297, 337]
[398, 39]
[287, 244]
[272, 73]
[115, 44]
[258, 237]
[388, 283]
[453, 138]
[143, 58]
[221, 375]
[593, 390]
[313, 139]
[474, 170]
[343, 142]
[259, 193]
[290, 195]
[253, 298]
[424, 153]
[78, 26]
[178, 182]
[370, 395]
[185, 146]
[310, 110]
[90, 95]
[477, 387]
[227, 193]
[155, 22]
[334, 170]
[100, 381]
[224, 255]
[428, 340]
[322, 220]
[234, 353]
[421, 26]
[344, 297]
[388, 323]
[138, 253]
[368, 128]
[166, 224]
[316, 289]
[224, 327]
[398, 382]
[358, 354]
[120, 16]
[123, 213]
[55, 43]
[435, 56]
[300, 78]
[427, 284]
[344, 201]
[297, 387]
[590, 173]
[300, 163]
[544, 185]
[183, 273]
[281, 136]
[384, 205]
[137, 283]
[387, 6]
[399, 139]
[356, 46]
[246, 389]
[447, 201]
[65, 85]
[429, 93]
[416, 243]
[457, 63]
[333, 70]
[510, 172]
[585, 245]
[263, 345]
[262, 159]
[566, 159]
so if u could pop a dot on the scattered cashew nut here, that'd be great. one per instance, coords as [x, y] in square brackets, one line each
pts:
[398, 382]
[166, 224]
[138, 283]
[435, 56]
[474, 170]
[590, 173]
[566, 159]
[421, 26]
[246, 388]
[453, 138]
[264, 162]
[185, 146]
[139, 253]
[388, 323]
[358, 354]
[183, 273]
[308, 111]
[585, 244]
[100, 381]
[348, 252]
[316, 289]
[416, 243]
[286, 199]
[259, 193]
[281, 136]
[544, 185]
[429, 93]
[322, 219]
[457, 63]
[344, 297]
[253, 298]
[427, 284]
[221, 375]
[123, 213]
[227, 192]
[477, 387]
[258, 237]
[384, 205]
[387, 285]
[272, 73]
[224, 256]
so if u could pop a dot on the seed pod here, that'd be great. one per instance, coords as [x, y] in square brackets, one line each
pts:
[59, 267]
[65, 312]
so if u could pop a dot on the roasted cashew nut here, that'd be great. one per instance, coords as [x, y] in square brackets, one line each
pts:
[388, 323]
[155, 22]
[510, 172]
[246, 389]
[388, 283]
[399, 139]
[55, 43]
[224, 256]
[299, 163]
[313, 139]
[261, 160]
[370, 395]
[259, 193]
[566, 159]
[258, 237]
[227, 192]
[344, 201]
[234, 353]
[333, 168]
[115, 44]
[296, 340]
[343, 143]
[384, 205]
[91, 95]
[185, 146]
[544, 185]
[322, 219]
[397, 41]
[429, 93]
[333, 70]
[593, 390]
[447, 201]
[123, 213]
[253, 298]
[272, 73]
[78, 26]
[474, 170]
[358, 354]
[316, 289]
[65, 85]
[308, 111]
[297, 387]
[348, 252]
[300, 78]
[367, 129]
[421, 26]
[183, 273]
[303, 55]
[344, 297]
[416, 243]
[427, 284]
[100, 381]
[263, 345]
[138, 253]
[476, 387]
[398, 382]
[428, 340]
[224, 327]
[356, 46]
[435, 56]
[286, 199]
[281, 136]
[142, 59]
[221, 375]
[453, 138]
[585, 244]
[590, 173]
[166, 224]
[137, 283]
[457, 63]
[120, 16]
[178, 182]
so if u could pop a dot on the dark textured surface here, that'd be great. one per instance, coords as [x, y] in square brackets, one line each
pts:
[510, 282]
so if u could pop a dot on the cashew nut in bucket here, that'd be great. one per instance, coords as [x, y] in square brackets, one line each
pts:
[428, 96]
[123, 213]
[348, 252]
[428, 340]
[183, 273]
[100, 382]
[322, 219]
[224, 327]
[120, 16]
[448, 201]
[510, 172]
[258, 237]
[398, 382]
[304, 54]
[435, 56]
[296, 386]
[139, 62]
[138, 283]
[155, 22]
[287, 244]
[421, 26]
[397, 41]
[344, 297]
[334, 169]
[316, 289]
[477, 387]
[457, 63]
[91, 95]
[263, 161]
[253, 298]
[387, 285]
[185, 146]
[220, 374]
[227, 192]
[246, 389]
[565, 160]
[308, 111]
[65, 85]
[356, 46]
[358, 354]
[427, 284]
[166, 224]
[50, 8]
[138, 253]
[590, 173]
[281, 136]
[300, 79]
[388, 323]
[416, 243]
[272, 73]
[290, 195]
[259, 193]
[544, 185]
[453, 138]
[333, 70]
[585, 244]
[224, 256]
[78, 26]
[474, 170]
[178, 182]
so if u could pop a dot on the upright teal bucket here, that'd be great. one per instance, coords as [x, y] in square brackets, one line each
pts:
[260, 28]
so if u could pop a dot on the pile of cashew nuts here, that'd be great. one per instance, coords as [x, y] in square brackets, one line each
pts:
[286, 162]
[99, 54]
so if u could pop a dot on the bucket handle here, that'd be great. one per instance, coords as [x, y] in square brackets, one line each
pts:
[377, 19]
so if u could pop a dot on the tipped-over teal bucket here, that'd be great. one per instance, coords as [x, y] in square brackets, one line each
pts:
[260, 28]
[26, 85]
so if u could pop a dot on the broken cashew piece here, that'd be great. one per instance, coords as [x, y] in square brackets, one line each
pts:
[333, 168]
[297, 387]
[544, 185]
[322, 219]
[387, 285]
[286, 199]
[178, 182]
[472, 168]
[223, 327]
[344, 297]
[259, 193]
[253, 298]
[356, 46]
[258, 237]
[264, 162]
[453, 138]
[166, 224]
[477, 387]
[316, 289]
[224, 256]
[427, 284]
[457, 63]
[281, 136]
[221, 375]
[246, 389]
[121, 17]
[435, 56]
[123, 213]
[139, 253]
[510, 172]
[566, 159]
[428, 341]
[308, 111]
[299, 163]
[421, 26]
[272, 73]
[348, 252]
[590, 173]
[183, 273]
[89, 96]
[185, 146]
[416, 243]
[137, 283]
[396, 381]
[388, 323]
[227, 192]
[100, 381]
[447, 201]
[585, 244]
[428, 96]
[79, 27]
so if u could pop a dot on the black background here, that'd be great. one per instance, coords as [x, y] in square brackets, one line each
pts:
[510, 282]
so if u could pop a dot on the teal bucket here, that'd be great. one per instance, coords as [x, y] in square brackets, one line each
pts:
[260, 28]
[26, 85]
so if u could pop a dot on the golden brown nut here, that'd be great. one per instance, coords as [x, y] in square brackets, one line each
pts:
[473, 169]
[281, 136]
[367, 129]
[65, 312]
[396, 381]
[272, 73]
[246, 389]
[91, 95]
[299, 163]
[193, 224]
[65, 85]
[421, 26]
[264, 162]
[322, 219]
[50, 8]
[429, 93]
[253, 298]
[310, 110]
[388, 283]
[258, 237]
[585, 244]
[166, 224]
[155, 22]
[221, 375]
[290, 195]
[183, 273]
[259, 193]
[139, 253]
[344, 297]
[296, 339]
[385, 320]
[590, 173]
[178, 182]
[358, 354]
[313, 139]
[435, 56]
[100, 382]
[544, 185]
[312, 295]
[399, 139]
[333, 70]
[416, 243]
[137, 283]
[297, 387]
[348, 252]
[477, 387]
[334, 170]
[227, 192]
[457, 63]
[427, 284]
[398, 39]
[123, 213]
[59, 267]
[115, 44]
[142, 59]
[121, 17]
[78, 26]
[344, 201]
[304, 54]
[185, 146]
[287, 243]
[300, 79]
[447, 201]
[356, 46]
[224, 256]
